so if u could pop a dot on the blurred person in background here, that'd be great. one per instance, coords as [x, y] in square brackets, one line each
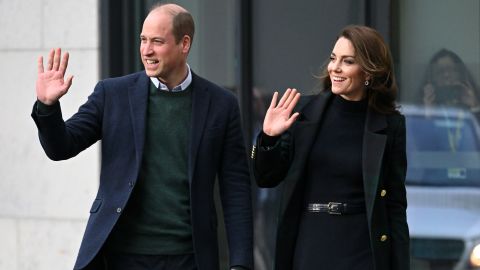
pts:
[448, 82]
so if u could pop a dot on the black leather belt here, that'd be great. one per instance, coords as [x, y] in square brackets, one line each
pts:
[336, 208]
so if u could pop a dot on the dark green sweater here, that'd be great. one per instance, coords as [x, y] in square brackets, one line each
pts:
[157, 217]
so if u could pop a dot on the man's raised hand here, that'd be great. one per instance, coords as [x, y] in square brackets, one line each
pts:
[51, 83]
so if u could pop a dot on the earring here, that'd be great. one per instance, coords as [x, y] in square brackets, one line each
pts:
[367, 83]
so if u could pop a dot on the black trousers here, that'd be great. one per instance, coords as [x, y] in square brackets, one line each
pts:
[127, 261]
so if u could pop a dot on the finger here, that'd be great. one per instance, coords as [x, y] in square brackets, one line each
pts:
[56, 59]
[292, 119]
[40, 64]
[284, 98]
[50, 59]
[64, 63]
[294, 102]
[290, 97]
[274, 100]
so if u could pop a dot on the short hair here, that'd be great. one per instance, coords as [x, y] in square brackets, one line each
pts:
[182, 21]
[375, 59]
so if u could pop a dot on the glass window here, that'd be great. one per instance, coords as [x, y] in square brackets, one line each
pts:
[436, 46]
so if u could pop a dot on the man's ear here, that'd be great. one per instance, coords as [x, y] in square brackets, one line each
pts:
[186, 43]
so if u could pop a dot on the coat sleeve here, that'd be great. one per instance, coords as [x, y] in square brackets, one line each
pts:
[65, 139]
[235, 191]
[271, 163]
[397, 201]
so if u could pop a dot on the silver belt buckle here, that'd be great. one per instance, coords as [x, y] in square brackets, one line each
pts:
[335, 208]
[315, 207]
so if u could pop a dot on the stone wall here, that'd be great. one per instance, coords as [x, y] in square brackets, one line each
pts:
[44, 204]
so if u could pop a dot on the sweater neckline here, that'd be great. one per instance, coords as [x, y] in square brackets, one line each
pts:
[350, 106]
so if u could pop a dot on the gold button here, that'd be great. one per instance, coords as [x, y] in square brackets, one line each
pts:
[383, 238]
[253, 152]
[383, 193]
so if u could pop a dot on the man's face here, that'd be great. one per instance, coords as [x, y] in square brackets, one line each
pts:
[162, 57]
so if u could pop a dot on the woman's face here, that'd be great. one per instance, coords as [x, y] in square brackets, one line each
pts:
[345, 73]
[445, 72]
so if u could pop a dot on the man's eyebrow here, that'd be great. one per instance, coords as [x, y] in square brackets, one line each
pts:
[152, 38]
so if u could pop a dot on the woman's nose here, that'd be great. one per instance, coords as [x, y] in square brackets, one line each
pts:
[336, 67]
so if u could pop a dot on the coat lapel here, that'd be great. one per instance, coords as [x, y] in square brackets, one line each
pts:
[373, 149]
[138, 99]
[304, 132]
[200, 105]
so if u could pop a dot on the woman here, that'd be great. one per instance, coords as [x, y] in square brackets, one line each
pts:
[342, 162]
[448, 82]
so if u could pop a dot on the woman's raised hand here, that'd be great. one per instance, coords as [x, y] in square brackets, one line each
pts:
[279, 116]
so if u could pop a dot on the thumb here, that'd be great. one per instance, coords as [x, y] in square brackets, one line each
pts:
[66, 85]
[68, 82]
[292, 119]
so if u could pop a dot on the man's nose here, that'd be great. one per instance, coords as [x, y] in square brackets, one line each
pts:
[147, 48]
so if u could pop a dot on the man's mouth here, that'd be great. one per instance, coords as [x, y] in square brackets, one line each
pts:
[150, 62]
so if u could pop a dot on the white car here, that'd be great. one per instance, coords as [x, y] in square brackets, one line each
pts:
[443, 188]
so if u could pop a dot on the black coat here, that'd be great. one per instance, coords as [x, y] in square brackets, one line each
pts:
[384, 167]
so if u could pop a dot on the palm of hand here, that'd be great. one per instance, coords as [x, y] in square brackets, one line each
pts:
[51, 84]
[279, 116]
[276, 121]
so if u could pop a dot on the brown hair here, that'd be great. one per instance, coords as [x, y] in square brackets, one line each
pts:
[373, 55]
[183, 24]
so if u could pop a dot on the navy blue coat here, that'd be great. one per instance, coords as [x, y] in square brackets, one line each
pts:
[115, 113]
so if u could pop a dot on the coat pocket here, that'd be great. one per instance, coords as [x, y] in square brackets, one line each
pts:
[96, 205]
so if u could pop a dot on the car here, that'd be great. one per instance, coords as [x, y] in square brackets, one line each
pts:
[443, 187]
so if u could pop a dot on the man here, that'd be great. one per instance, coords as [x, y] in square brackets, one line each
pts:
[166, 134]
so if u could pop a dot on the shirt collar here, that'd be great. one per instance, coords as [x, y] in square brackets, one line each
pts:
[181, 87]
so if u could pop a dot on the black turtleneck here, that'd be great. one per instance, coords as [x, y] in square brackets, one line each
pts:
[334, 169]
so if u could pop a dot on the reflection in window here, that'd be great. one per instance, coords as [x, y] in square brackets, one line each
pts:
[436, 45]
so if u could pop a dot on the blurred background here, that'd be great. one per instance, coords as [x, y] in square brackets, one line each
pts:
[252, 48]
